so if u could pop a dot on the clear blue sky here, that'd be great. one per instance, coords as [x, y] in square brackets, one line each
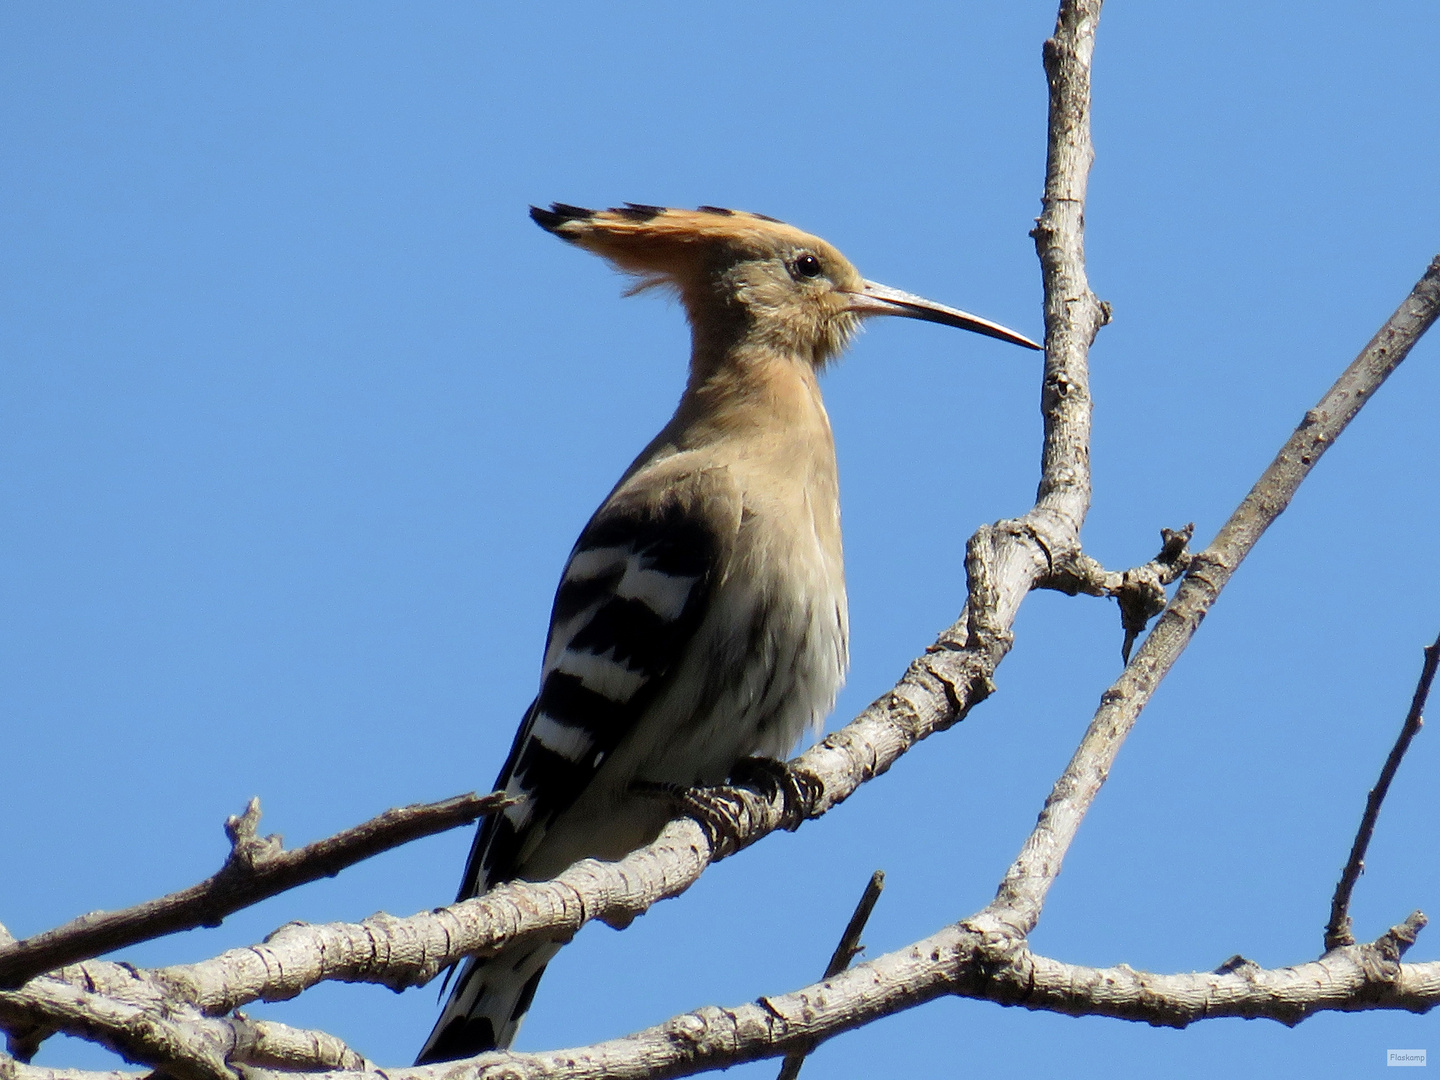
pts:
[300, 415]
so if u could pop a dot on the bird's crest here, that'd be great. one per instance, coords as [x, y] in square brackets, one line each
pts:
[636, 224]
[668, 246]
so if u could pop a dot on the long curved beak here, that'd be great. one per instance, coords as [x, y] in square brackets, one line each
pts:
[877, 299]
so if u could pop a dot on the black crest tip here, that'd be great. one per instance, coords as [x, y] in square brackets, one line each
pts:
[558, 214]
[638, 211]
[722, 211]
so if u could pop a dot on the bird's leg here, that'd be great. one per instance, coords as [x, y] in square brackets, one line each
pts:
[675, 794]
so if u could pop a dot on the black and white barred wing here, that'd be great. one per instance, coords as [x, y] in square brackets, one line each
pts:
[628, 605]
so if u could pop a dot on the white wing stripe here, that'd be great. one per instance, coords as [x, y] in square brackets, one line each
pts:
[664, 594]
[571, 743]
[602, 674]
[521, 812]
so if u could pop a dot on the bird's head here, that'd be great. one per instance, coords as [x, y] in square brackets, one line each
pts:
[746, 276]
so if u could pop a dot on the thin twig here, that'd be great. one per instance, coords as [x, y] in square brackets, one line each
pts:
[849, 944]
[255, 869]
[1338, 931]
[846, 951]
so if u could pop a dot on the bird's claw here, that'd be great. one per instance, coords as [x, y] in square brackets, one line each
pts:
[723, 813]
[799, 790]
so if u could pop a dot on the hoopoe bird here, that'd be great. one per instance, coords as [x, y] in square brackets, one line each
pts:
[701, 618]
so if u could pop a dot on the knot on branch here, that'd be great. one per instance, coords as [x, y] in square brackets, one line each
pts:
[1379, 960]
[688, 1029]
[1395, 942]
[982, 620]
[962, 669]
[996, 932]
[961, 674]
[1139, 591]
[997, 965]
[248, 849]
[1238, 964]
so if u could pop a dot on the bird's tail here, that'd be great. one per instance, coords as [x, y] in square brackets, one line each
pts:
[489, 1000]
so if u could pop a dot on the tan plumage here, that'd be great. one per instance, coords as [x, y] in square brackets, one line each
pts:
[701, 617]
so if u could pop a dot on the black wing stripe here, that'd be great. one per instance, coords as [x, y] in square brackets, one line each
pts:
[548, 776]
[574, 596]
[567, 700]
[678, 543]
[681, 553]
[640, 639]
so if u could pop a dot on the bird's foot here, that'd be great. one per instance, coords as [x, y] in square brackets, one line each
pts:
[798, 790]
[726, 814]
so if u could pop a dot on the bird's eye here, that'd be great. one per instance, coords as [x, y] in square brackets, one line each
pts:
[807, 266]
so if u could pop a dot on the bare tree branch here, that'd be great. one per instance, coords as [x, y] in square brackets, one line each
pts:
[1073, 314]
[256, 869]
[959, 961]
[134, 1021]
[1338, 930]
